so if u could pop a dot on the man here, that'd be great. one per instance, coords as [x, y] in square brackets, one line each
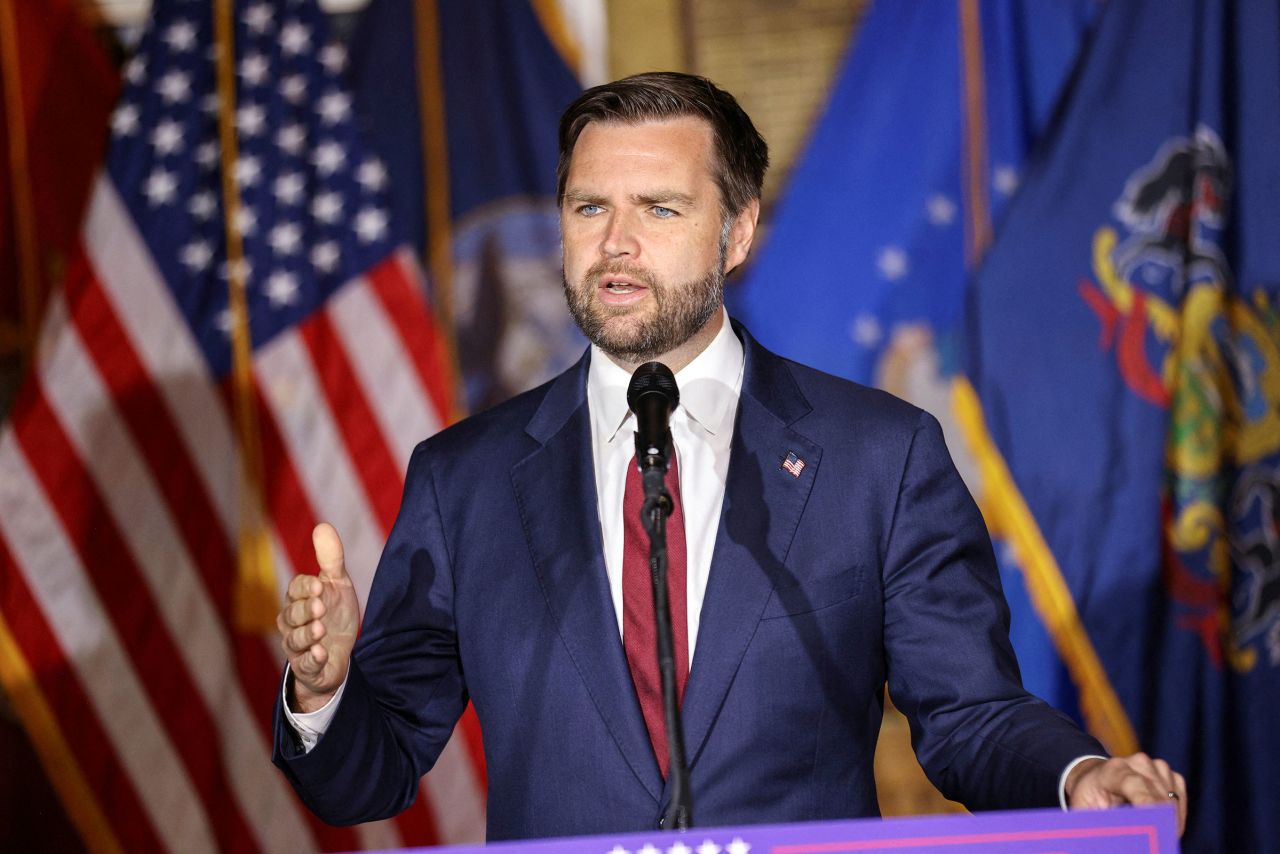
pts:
[826, 541]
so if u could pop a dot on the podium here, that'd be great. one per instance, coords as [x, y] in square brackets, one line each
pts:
[1138, 830]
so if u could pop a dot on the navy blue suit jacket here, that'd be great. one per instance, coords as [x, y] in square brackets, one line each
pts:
[872, 565]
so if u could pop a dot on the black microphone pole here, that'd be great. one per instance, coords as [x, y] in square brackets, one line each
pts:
[653, 396]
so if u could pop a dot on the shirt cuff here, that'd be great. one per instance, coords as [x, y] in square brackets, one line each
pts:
[1062, 781]
[311, 725]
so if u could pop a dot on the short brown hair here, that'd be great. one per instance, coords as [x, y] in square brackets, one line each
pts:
[742, 154]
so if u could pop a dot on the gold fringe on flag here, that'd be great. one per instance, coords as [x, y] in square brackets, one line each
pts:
[257, 598]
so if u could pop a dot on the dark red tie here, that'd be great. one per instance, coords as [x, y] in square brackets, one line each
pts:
[639, 634]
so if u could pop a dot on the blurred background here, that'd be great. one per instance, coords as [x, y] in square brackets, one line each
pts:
[251, 252]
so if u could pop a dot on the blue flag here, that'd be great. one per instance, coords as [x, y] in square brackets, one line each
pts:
[865, 265]
[1125, 348]
[463, 100]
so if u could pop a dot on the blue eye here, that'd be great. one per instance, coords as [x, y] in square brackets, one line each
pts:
[589, 210]
[663, 213]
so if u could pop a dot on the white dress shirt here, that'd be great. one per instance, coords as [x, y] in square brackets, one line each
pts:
[702, 431]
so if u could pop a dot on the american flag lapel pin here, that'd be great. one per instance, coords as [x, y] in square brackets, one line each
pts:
[793, 464]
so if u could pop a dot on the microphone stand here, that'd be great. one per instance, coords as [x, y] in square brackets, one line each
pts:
[653, 513]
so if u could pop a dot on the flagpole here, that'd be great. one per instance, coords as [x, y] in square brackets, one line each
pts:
[435, 163]
[256, 596]
[24, 208]
[1003, 506]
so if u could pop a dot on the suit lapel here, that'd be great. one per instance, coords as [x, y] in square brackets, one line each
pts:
[556, 492]
[763, 503]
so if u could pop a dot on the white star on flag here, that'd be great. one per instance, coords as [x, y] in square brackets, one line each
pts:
[248, 171]
[251, 119]
[202, 205]
[371, 225]
[258, 18]
[288, 188]
[291, 139]
[180, 37]
[246, 221]
[135, 70]
[327, 207]
[282, 288]
[196, 256]
[1005, 179]
[207, 154]
[334, 58]
[892, 263]
[167, 137]
[222, 322]
[285, 238]
[174, 87]
[325, 256]
[124, 121]
[866, 331]
[294, 88]
[334, 107]
[295, 38]
[940, 209]
[372, 175]
[329, 157]
[209, 104]
[254, 69]
[160, 187]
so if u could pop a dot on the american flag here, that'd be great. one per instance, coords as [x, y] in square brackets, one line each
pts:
[119, 473]
[793, 464]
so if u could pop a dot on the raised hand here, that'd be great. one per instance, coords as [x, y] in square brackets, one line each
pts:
[1136, 779]
[319, 623]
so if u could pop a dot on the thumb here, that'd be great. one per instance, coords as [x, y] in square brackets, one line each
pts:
[328, 552]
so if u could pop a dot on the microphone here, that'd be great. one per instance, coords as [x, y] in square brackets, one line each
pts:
[652, 395]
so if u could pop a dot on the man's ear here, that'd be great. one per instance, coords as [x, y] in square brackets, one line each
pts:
[741, 234]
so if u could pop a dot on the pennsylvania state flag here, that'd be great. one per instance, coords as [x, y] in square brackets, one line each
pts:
[462, 100]
[1124, 346]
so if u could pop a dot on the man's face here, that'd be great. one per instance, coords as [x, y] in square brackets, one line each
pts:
[645, 252]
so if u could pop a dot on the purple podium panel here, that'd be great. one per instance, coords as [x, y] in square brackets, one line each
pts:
[1143, 830]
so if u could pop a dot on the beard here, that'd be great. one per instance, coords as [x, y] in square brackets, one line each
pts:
[679, 311]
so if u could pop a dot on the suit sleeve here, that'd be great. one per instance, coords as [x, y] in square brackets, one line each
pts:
[981, 738]
[405, 690]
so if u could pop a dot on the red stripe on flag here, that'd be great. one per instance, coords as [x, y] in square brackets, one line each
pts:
[294, 518]
[77, 720]
[369, 452]
[408, 310]
[123, 592]
[143, 410]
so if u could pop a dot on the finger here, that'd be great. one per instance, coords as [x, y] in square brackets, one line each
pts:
[1137, 788]
[303, 587]
[328, 552]
[1180, 789]
[303, 611]
[299, 640]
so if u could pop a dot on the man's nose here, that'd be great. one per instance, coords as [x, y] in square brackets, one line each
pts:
[619, 237]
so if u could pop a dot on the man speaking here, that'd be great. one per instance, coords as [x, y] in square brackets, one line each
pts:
[821, 545]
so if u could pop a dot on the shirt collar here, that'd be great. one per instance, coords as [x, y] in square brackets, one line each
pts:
[709, 386]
